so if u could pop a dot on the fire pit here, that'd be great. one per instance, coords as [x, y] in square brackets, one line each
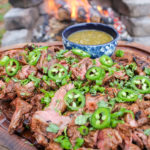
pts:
[44, 20]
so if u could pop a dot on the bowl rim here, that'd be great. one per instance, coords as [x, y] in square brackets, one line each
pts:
[81, 24]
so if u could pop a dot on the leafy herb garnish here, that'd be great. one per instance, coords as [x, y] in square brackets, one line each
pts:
[34, 79]
[64, 141]
[130, 69]
[147, 71]
[49, 57]
[147, 132]
[15, 79]
[82, 119]
[52, 128]
[119, 53]
[45, 70]
[79, 143]
[60, 54]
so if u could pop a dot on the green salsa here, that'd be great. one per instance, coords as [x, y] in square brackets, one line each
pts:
[90, 37]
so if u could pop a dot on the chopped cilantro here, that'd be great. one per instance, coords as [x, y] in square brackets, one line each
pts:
[79, 143]
[119, 53]
[46, 79]
[71, 60]
[49, 57]
[93, 91]
[75, 65]
[112, 70]
[102, 104]
[109, 104]
[82, 119]
[7, 79]
[117, 83]
[45, 100]
[34, 79]
[15, 79]
[45, 70]
[130, 69]
[94, 61]
[78, 84]
[52, 128]
[64, 141]
[22, 94]
[60, 54]
[25, 81]
[147, 132]
[147, 71]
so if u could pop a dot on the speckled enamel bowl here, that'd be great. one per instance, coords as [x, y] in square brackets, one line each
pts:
[94, 50]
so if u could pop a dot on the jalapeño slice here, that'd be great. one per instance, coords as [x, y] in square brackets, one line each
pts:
[80, 53]
[57, 72]
[141, 84]
[106, 61]
[127, 95]
[33, 57]
[95, 73]
[101, 118]
[12, 67]
[74, 99]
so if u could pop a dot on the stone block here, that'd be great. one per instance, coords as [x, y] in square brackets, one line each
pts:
[137, 26]
[19, 18]
[25, 3]
[142, 40]
[16, 37]
[132, 8]
[43, 9]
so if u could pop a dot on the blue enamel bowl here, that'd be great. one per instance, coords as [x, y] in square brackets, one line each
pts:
[94, 50]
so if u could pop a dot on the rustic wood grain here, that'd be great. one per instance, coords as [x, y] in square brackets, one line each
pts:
[13, 142]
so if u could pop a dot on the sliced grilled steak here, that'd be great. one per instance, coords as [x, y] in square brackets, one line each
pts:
[92, 101]
[82, 67]
[26, 71]
[140, 139]
[22, 108]
[130, 146]
[41, 120]
[44, 62]
[73, 133]
[10, 90]
[51, 114]
[2, 90]
[58, 102]
[91, 139]
[109, 139]
[53, 146]
[25, 91]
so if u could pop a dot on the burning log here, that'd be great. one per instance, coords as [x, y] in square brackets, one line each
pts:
[63, 14]
[61, 3]
[107, 20]
[81, 15]
[95, 16]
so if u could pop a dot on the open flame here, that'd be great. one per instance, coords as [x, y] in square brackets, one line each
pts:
[73, 6]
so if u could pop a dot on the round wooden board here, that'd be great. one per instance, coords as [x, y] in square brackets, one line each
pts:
[13, 142]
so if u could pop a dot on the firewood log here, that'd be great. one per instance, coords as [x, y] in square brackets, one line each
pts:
[64, 14]
[94, 15]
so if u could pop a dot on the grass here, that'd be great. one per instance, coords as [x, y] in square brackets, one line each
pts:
[4, 7]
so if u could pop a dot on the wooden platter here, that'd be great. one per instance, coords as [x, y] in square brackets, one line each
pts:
[14, 142]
